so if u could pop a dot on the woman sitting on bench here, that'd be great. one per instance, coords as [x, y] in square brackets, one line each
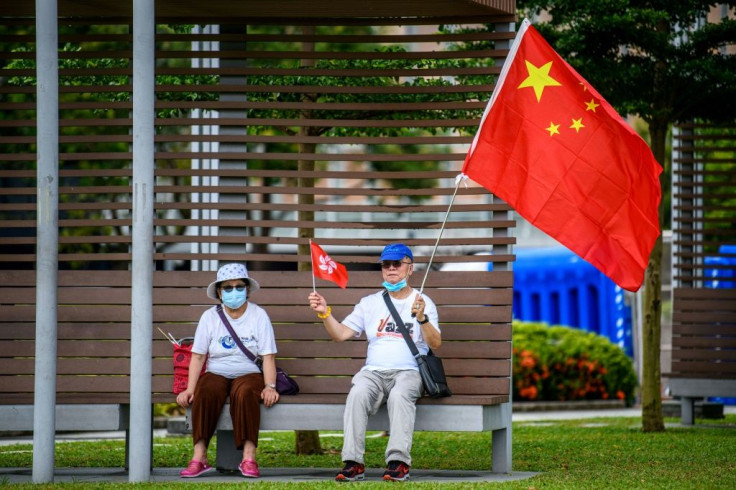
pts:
[229, 371]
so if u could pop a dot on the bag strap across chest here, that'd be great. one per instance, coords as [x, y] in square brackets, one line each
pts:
[258, 360]
[400, 325]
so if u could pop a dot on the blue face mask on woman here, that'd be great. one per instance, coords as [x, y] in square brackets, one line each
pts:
[234, 299]
[392, 288]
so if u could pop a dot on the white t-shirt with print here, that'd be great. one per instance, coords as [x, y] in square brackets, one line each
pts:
[224, 356]
[387, 348]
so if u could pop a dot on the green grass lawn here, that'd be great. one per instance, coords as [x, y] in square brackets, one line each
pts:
[590, 453]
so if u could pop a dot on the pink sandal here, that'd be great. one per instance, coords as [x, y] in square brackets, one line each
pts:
[195, 468]
[249, 468]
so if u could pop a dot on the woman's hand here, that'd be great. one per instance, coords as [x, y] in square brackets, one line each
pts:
[184, 399]
[269, 396]
[317, 303]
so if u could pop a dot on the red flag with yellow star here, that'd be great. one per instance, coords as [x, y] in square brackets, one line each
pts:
[552, 147]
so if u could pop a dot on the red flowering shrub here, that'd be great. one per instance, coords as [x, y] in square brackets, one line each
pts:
[554, 363]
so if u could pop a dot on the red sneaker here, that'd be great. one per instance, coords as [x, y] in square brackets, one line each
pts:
[195, 468]
[396, 471]
[352, 471]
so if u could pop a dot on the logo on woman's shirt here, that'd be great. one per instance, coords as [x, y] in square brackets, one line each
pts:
[227, 341]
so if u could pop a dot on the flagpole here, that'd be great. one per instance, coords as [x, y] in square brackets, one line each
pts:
[311, 261]
[458, 179]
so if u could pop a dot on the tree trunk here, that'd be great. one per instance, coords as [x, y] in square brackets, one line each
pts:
[307, 441]
[651, 389]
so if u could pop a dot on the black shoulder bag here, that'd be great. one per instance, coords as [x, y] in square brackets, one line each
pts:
[430, 366]
[285, 385]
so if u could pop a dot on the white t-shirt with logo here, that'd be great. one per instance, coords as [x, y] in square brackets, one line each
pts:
[224, 356]
[387, 348]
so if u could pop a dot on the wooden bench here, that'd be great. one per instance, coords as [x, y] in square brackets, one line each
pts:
[703, 347]
[94, 350]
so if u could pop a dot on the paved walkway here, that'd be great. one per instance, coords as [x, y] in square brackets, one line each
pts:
[117, 475]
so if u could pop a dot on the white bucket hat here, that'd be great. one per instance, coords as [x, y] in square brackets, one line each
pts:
[228, 272]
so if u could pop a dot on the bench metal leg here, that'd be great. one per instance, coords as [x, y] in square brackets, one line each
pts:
[228, 456]
[501, 444]
[687, 411]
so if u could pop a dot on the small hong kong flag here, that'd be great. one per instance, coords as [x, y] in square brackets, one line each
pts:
[325, 268]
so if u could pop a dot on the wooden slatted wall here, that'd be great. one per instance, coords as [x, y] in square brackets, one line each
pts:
[363, 113]
[704, 267]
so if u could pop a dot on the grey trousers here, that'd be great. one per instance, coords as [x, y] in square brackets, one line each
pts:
[400, 390]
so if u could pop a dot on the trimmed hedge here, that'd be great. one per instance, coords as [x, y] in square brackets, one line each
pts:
[557, 363]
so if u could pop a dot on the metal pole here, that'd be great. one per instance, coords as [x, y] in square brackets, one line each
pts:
[141, 326]
[47, 239]
[459, 179]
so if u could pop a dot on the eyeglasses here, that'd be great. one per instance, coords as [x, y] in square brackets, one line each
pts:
[387, 264]
[229, 289]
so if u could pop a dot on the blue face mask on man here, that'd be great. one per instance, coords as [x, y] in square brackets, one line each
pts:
[392, 288]
[234, 299]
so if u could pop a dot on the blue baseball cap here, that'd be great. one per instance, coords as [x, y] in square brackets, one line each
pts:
[396, 251]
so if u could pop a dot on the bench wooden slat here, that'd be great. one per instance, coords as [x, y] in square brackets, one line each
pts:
[291, 331]
[713, 342]
[182, 313]
[706, 330]
[84, 366]
[703, 354]
[267, 279]
[310, 384]
[83, 398]
[296, 367]
[265, 297]
[287, 349]
[343, 367]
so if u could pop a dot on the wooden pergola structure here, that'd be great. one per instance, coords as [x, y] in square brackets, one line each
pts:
[147, 136]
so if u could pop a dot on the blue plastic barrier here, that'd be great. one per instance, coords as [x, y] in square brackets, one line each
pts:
[555, 286]
[722, 278]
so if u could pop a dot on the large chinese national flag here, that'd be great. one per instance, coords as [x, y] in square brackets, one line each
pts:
[325, 268]
[560, 155]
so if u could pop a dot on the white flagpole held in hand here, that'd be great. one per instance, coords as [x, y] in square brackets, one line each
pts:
[458, 179]
[311, 261]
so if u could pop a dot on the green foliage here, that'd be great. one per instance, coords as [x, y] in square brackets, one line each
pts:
[68, 61]
[719, 165]
[167, 410]
[307, 79]
[657, 59]
[556, 363]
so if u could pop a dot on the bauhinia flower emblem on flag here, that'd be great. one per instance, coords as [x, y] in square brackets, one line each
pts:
[325, 268]
[552, 147]
[327, 264]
